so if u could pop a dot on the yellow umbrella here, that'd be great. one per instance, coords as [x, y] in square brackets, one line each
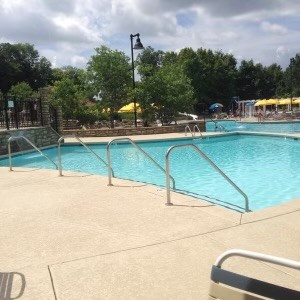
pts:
[284, 101]
[263, 102]
[296, 101]
[272, 101]
[130, 108]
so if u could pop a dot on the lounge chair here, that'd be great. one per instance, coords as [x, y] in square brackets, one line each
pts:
[226, 285]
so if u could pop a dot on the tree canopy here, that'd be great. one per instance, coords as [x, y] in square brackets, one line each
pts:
[168, 82]
[109, 73]
[22, 63]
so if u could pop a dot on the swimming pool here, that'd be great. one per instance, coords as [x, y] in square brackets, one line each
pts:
[232, 125]
[266, 169]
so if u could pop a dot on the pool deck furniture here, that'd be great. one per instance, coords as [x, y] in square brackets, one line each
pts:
[228, 285]
[74, 237]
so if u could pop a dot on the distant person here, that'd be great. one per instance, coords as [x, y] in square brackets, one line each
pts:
[259, 115]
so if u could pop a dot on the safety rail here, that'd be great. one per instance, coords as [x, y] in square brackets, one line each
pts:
[138, 148]
[196, 127]
[193, 133]
[84, 145]
[217, 125]
[187, 127]
[31, 144]
[210, 162]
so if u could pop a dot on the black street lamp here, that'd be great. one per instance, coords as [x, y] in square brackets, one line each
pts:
[137, 46]
[292, 61]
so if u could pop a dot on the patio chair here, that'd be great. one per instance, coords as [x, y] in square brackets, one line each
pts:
[288, 115]
[226, 285]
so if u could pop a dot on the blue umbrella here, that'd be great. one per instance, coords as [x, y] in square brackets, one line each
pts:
[216, 105]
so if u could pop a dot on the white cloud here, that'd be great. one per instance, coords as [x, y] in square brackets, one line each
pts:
[78, 60]
[273, 28]
[70, 29]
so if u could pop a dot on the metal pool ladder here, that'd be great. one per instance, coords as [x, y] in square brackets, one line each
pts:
[138, 148]
[84, 145]
[210, 162]
[193, 133]
[12, 138]
[219, 126]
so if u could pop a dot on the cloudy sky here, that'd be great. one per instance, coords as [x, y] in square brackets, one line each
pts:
[67, 31]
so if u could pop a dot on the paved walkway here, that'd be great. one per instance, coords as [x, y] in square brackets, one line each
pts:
[74, 237]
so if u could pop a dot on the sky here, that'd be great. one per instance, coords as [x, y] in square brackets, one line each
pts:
[67, 32]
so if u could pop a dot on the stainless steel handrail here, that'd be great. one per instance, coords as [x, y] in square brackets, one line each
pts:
[140, 149]
[196, 127]
[217, 125]
[259, 256]
[189, 128]
[211, 163]
[84, 145]
[31, 144]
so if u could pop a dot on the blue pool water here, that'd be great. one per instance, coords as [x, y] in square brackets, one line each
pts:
[265, 168]
[231, 125]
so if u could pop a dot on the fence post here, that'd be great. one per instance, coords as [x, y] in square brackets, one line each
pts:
[5, 112]
[44, 92]
[59, 120]
[16, 112]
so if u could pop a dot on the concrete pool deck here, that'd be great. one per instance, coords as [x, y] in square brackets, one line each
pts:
[74, 237]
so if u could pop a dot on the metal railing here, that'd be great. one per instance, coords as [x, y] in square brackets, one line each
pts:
[84, 145]
[218, 126]
[196, 128]
[12, 138]
[257, 256]
[211, 163]
[20, 113]
[188, 128]
[138, 148]
[193, 133]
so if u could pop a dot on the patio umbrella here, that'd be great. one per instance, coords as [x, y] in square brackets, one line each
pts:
[216, 105]
[272, 101]
[284, 101]
[130, 108]
[263, 102]
[296, 101]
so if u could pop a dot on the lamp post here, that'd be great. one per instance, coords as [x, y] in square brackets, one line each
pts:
[292, 61]
[137, 46]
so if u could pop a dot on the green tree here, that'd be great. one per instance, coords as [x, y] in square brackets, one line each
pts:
[22, 63]
[165, 93]
[21, 90]
[212, 74]
[272, 80]
[65, 94]
[149, 61]
[291, 78]
[109, 71]
[248, 80]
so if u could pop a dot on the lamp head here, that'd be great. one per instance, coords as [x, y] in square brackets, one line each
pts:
[138, 45]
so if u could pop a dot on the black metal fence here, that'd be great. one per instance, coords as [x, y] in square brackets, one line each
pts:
[20, 113]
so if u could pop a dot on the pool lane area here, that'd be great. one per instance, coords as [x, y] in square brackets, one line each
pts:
[265, 126]
[265, 168]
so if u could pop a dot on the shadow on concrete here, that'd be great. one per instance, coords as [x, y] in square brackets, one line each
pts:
[12, 285]
[200, 206]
